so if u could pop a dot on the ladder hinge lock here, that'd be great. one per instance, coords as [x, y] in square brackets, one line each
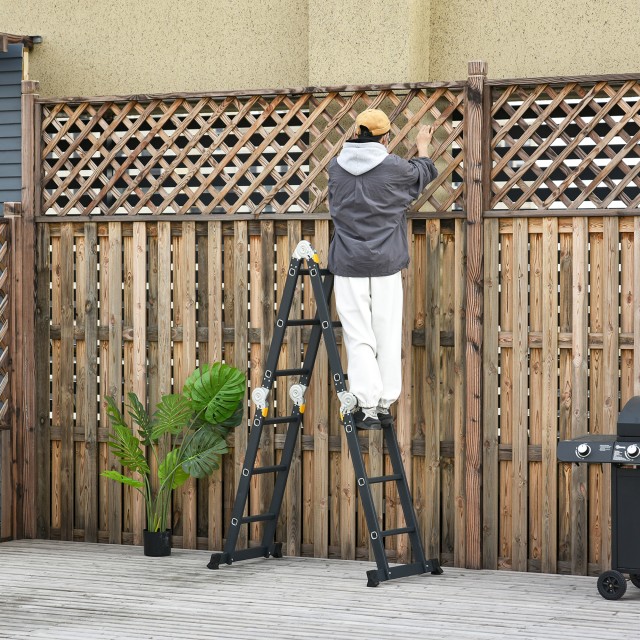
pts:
[296, 393]
[259, 396]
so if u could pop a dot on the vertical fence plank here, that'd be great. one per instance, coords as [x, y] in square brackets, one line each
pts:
[505, 491]
[520, 393]
[596, 391]
[432, 399]
[267, 305]
[104, 485]
[90, 390]
[153, 391]
[475, 200]
[164, 328]
[127, 369]
[215, 329]
[80, 470]
[610, 408]
[565, 387]
[418, 384]
[579, 394]
[319, 409]
[534, 493]
[114, 287]
[549, 393]
[188, 255]
[490, 420]
[240, 319]
[139, 382]
[636, 306]
[66, 382]
[43, 384]
[626, 314]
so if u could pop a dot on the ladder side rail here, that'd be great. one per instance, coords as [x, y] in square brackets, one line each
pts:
[242, 491]
[404, 494]
[279, 486]
[366, 497]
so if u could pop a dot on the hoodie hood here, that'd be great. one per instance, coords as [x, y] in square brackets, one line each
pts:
[358, 158]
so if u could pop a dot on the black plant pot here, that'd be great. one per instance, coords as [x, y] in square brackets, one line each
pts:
[157, 543]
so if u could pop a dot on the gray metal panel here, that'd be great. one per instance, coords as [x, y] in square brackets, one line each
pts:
[10, 126]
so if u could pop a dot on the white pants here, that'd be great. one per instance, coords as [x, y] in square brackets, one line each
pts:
[370, 310]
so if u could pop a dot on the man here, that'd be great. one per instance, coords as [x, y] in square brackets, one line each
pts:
[369, 192]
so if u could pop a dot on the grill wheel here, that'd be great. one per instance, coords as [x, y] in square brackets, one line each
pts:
[635, 579]
[612, 585]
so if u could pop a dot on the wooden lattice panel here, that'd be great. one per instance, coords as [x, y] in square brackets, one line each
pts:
[566, 147]
[251, 154]
[4, 323]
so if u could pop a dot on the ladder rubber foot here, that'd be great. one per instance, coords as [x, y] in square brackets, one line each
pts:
[436, 569]
[214, 563]
[277, 550]
[372, 578]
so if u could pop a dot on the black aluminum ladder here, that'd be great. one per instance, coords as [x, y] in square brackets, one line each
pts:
[321, 326]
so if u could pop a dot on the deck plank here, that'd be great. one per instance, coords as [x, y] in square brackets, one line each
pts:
[81, 590]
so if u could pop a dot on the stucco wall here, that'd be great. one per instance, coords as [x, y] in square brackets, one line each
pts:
[144, 46]
[525, 38]
[122, 47]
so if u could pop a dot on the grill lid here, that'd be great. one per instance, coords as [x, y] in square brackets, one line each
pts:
[629, 419]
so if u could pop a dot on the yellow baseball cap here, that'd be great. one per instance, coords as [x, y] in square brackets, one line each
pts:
[374, 120]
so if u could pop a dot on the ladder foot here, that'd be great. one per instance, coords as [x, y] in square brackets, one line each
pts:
[436, 569]
[372, 578]
[277, 550]
[214, 563]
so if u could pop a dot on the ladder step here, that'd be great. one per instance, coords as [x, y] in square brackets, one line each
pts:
[301, 322]
[292, 372]
[272, 469]
[259, 518]
[397, 476]
[396, 532]
[282, 420]
[305, 272]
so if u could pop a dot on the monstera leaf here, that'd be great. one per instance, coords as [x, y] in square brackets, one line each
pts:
[215, 389]
[171, 416]
[201, 455]
[171, 465]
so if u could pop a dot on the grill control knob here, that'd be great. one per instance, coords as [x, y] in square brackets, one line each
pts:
[633, 451]
[583, 450]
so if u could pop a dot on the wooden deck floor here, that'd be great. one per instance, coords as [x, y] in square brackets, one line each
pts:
[89, 591]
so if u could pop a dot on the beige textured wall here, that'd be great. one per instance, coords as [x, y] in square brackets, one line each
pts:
[126, 46]
[359, 42]
[100, 47]
[525, 38]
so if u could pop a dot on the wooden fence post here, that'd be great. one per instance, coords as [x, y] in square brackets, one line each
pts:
[475, 178]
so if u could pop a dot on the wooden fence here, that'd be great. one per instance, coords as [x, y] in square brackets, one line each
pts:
[164, 227]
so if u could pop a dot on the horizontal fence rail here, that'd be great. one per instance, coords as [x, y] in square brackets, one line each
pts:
[165, 225]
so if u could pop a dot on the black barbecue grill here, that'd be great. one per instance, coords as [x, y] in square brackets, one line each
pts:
[623, 452]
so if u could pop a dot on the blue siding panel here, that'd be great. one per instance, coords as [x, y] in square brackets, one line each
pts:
[10, 129]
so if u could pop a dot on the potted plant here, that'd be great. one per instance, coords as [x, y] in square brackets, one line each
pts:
[196, 422]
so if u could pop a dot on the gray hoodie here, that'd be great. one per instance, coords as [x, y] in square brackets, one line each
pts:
[369, 192]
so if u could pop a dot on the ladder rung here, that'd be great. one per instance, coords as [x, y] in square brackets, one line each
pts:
[302, 322]
[305, 272]
[396, 532]
[259, 518]
[272, 469]
[397, 476]
[282, 420]
[292, 372]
